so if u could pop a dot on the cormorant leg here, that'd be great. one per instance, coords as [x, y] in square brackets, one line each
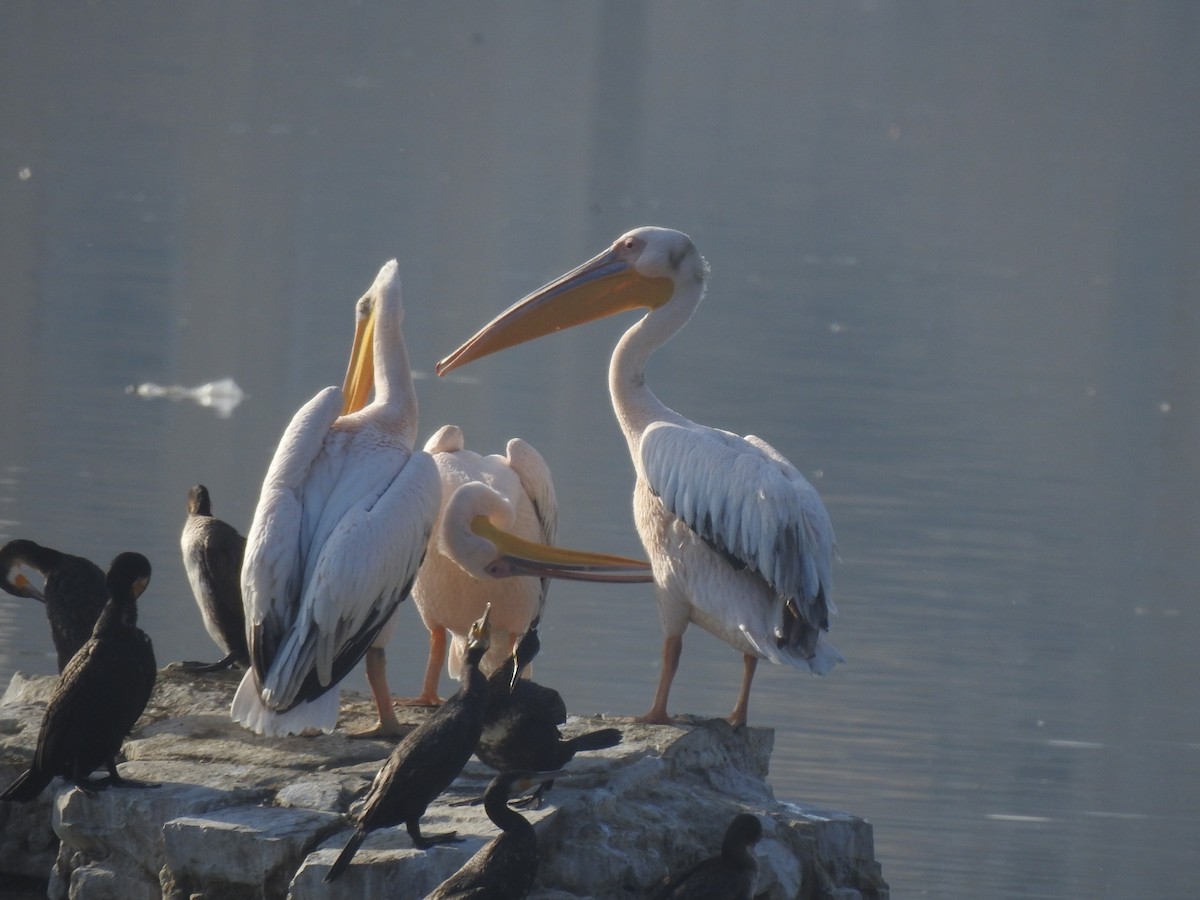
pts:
[672, 649]
[433, 671]
[114, 778]
[389, 725]
[737, 718]
[424, 842]
[534, 800]
[200, 668]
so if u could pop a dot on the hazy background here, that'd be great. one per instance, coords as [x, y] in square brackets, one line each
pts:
[955, 280]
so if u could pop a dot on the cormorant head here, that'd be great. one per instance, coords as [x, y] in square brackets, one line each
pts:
[479, 639]
[527, 648]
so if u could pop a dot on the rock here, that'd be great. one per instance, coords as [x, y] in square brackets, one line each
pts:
[240, 816]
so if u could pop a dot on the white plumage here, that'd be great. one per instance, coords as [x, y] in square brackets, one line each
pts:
[740, 543]
[514, 491]
[339, 532]
[492, 545]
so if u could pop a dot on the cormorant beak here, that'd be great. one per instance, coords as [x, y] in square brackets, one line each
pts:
[22, 583]
[481, 630]
[360, 372]
[603, 286]
[516, 556]
[526, 649]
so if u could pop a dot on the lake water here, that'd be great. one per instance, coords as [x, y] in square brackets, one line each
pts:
[956, 280]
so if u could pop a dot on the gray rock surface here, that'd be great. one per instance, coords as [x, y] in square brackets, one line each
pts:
[241, 816]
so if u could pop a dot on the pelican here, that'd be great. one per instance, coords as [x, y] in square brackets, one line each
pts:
[740, 543]
[345, 513]
[498, 517]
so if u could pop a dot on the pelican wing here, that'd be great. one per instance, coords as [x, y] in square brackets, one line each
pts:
[535, 478]
[274, 567]
[538, 485]
[749, 503]
[364, 568]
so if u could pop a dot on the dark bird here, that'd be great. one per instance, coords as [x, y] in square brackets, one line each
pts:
[520, 730]
[428, 759]
[506, 866]
[212, 556]
[730, 876]
[100, 694]
[73, 592]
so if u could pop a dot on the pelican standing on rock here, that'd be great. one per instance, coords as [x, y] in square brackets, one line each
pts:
[341, 526]
[739, 541]
[498, 518]
[212, 557]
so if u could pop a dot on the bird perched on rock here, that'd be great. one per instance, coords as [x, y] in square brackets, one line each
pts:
[100, 694]
[493, 544]
[506, 866]
[212, 557]
[341, 526]
[73, 591]
[740, 542]
[427, 760]
[730, 876]
[520, 731]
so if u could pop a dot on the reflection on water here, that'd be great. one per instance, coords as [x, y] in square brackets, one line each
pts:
[954, 280]
[222, 396]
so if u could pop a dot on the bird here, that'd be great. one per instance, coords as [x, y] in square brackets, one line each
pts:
[73, 591]
[506, 866]
[498, 518]
[740, 542]
[341, 526]
[520, 729]
[427, 760]
[212, 557]
[729, 876]
[100, 694]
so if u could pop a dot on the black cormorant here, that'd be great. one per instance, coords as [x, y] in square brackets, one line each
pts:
[427, 760]
[212, 557]
[74, 591]
[730, 876]
[506, 866]
[99, 695]
[520, 731]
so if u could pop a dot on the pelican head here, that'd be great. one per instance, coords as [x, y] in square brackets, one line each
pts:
[360, 373]
[474, 533]
[643, 269]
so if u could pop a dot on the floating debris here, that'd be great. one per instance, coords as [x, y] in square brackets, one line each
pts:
[222, 396]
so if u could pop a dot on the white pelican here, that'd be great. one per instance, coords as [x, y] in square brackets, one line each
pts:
[739, 541]
[345, 513]
[498, 517]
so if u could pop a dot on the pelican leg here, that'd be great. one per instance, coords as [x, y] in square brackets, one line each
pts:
[433, 671]
[389, 725]
[672, 650]
[737, 718]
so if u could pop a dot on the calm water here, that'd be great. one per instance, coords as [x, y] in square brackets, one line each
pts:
[956, 280]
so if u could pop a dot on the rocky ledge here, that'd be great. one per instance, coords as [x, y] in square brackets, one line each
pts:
[241, 816]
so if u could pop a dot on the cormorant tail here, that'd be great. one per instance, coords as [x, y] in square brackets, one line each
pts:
[595, 740]
[347, 854]
[26, 787]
